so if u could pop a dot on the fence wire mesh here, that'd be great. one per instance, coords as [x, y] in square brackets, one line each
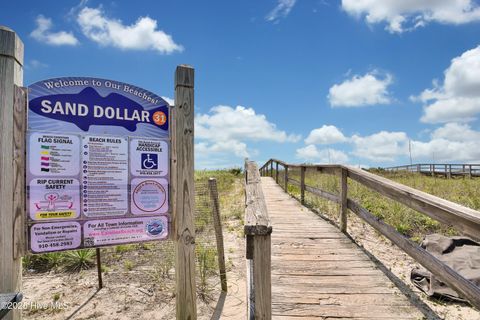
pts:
[206, 252]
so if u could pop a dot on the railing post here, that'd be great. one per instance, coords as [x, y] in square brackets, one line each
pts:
[258, 248]
[271, 169]
[286, 178]
[183, 192]
[12, 168]
[276, 172]
[302, 184]
[449, 171]
[418, 168]
[217, 223]
[343, 199]
[470, 171]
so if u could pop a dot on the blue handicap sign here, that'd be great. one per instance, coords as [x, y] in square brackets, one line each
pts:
[150, 161]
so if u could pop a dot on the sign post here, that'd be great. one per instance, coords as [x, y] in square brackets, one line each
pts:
[183, 193]
[12, 169]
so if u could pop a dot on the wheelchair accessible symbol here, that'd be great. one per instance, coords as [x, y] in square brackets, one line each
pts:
[150, 161]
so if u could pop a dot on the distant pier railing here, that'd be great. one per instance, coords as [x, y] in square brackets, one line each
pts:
[448, 170]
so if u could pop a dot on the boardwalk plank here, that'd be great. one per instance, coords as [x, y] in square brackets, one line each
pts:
[319, 273]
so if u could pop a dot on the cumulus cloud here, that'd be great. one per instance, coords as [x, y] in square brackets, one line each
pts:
[311, 153]
[359, 91]
[451, 142]
[142, 35]
[458, 98]
[225, 130]
[381, 146]
[226, 123]
[282, 10]
[238, 148]
[44, 34]
[406, 15]
[327, 134]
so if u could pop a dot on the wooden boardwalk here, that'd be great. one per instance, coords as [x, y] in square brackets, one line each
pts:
[319, 273]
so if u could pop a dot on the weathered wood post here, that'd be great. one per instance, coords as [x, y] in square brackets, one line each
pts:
[271, 169]
[276, 172]
[470, 171]
[183, 192]
[449, 171]
[12, 163]
[343, 199]
[258, 230]
[302, 184]
[217, 223]
[446, 172]
[286, 178]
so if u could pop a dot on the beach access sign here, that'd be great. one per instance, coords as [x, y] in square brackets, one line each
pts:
[98, 164]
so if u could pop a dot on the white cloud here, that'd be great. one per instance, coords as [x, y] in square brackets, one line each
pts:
[325, 135]
[458, 99]
[452, 142]
[311, 153]
[239, 149]
[170, 101]
[406, 15]
[282, 10]
[44, 34]
[359, 91]
[381, 146]
[226, 123]
[35, 64]
[142, 35]
[224, 132]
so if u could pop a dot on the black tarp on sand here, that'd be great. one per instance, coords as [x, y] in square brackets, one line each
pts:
[459, 253]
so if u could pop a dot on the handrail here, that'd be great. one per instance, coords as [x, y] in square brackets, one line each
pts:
[462, 218]
[257, 229]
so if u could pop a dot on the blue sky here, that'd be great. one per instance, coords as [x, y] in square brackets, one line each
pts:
[319, 81]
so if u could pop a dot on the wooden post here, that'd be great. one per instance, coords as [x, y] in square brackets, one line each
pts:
[276, 172]
[286, 178]
[258, 230]
[470, 171]
[262, 277]
[183, 192]
[217, 223]
[449, 171]
[343, 199]
[99, 269]
[302, 184]
[12, 164]
[271, 169]
[446, 171]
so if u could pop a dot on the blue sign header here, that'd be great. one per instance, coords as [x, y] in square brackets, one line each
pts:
[94, 105]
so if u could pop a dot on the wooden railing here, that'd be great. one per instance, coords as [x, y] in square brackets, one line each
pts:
[464, 219]
[448, 170]
[257, 231]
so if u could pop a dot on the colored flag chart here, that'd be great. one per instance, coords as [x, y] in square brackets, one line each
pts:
[44, 158]
[55, 186]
